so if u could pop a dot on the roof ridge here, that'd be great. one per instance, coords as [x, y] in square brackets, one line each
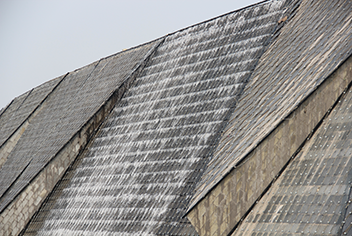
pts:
[187, 27]
[177, 31]
[222, 15]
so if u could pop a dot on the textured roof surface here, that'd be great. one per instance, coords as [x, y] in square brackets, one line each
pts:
[22, 107]
[310, 46]
[311, 195]
[70, 105]
[139, 174]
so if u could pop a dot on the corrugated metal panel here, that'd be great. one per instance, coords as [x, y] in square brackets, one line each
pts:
[309, 48]
[22, 107]
[66, 110]
[311, 197]
[139, 174]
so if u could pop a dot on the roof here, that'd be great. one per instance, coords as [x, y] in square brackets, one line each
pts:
[312, 194]
[79, 95]
[308, 49]
[139, 173]
[199, 102]
[22, 107]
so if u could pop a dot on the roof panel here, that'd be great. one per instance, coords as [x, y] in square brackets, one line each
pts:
[312, 195]
[22, 107]
[68, 108]
[309, 48]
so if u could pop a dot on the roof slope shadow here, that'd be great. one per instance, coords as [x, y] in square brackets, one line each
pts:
[138, 175]
[79, 95]
[313, 193]
[309, 48]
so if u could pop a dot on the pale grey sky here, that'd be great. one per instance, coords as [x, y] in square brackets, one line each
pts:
[41, 40]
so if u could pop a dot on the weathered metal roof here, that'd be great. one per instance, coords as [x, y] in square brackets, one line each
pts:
[139, 174]
[22, 107]
[308, 49]
[312, 195]
[79, 95]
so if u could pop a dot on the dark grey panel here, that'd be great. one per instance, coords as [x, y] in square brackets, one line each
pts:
[139, 174]
[66, 110]
[311, 197]
[22, 107]
[309, 48]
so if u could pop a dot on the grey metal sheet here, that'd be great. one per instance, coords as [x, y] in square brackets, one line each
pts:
[139, 174]
[309, 48]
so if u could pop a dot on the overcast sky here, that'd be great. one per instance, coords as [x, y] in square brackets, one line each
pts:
[41, 40]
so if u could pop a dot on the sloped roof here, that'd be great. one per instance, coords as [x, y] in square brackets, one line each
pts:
[79, 95]
[22, 107]
[309, 48]
[207, 82]
[311, 195]
[138, 175]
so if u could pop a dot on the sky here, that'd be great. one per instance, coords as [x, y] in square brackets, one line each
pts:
[41, 40]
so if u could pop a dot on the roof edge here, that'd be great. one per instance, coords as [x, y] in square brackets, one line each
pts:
[175, 32]
[6, 107]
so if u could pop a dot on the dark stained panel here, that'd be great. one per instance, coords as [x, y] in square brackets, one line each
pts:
[312, 196]
[67, 109]
[309, 48]
[139, 174]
